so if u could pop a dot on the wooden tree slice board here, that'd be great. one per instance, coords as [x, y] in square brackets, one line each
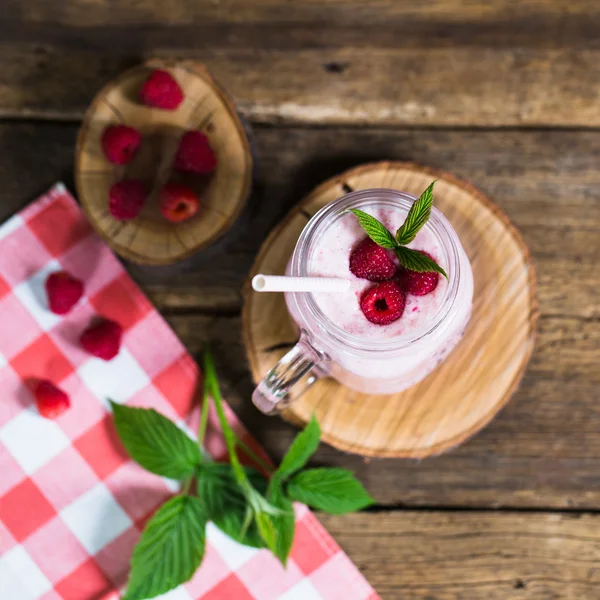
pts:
[149, 238]
[464, 393]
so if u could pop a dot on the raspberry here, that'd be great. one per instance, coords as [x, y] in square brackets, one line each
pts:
[126, 199]
[372, 262]
[120, 143]
[195, 154]
[383, 303]
[178, 202]
[418, 284]
[160, 90]
[64, 292]
[50, 401]
[103, 339]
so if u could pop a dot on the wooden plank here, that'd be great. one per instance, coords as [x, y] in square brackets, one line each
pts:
[449, 63]
[543, 450]
[557, 15]
[408, 555]
[547, 182]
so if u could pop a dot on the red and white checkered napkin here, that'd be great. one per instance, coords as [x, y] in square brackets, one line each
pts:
[71, 503]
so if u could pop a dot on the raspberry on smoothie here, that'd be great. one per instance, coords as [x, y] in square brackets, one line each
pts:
[343, 251]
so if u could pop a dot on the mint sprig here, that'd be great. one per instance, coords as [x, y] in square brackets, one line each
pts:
[251, 507]
[375, 229]
[413, 260]
[416, 218]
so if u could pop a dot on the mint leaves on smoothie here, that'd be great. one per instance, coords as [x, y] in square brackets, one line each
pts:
[416, 218]
[375, 229]
[252, 505]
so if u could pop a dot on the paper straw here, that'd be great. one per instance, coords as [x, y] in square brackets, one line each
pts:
[276, 283]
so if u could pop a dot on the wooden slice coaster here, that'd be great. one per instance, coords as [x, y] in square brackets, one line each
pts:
[463, 394]
[149, 238]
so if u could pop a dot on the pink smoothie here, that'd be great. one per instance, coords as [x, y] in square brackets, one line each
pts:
[382, 359]
[330, 258]
[336, 339]
[378, 359]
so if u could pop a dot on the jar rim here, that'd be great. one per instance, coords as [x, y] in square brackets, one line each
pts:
[437, 223]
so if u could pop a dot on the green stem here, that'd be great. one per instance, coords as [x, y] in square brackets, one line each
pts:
[186, 486]
[204, 414]
[257, 459]
[230, 439]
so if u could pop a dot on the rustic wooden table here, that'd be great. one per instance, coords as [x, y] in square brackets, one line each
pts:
[502, 93]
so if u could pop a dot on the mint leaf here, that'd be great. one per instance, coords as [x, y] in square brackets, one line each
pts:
[374, 229]
[303, 447]
[155, 442]
[417, 261]
[225, 504]
[418, 215]
[285, 524]
[170, 549]
[335, 491]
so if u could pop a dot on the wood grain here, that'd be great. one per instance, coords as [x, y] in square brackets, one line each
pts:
[541, 451]
[547, 182]
[543, 448]
[429, 555]
[149, 238]
[443, 63]
[474, 382]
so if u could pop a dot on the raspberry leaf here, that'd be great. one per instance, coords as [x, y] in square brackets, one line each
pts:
[266, 528]
[170, 549]
[417, 261]
[155, 442]
[374, 229]
[303, 447]
[225, 504]
[285, 524]
[236, 498]
[261, 509]
[418, 215]
[335, 491]
[211, 387]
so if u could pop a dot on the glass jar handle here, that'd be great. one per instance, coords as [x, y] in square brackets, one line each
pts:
[298, 369]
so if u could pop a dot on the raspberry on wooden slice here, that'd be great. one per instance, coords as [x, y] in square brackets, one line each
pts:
[161, 90]
[120, 143]
[383, 303]
[195, 154]
[178, 202]
[64, 291]
[126, 198]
